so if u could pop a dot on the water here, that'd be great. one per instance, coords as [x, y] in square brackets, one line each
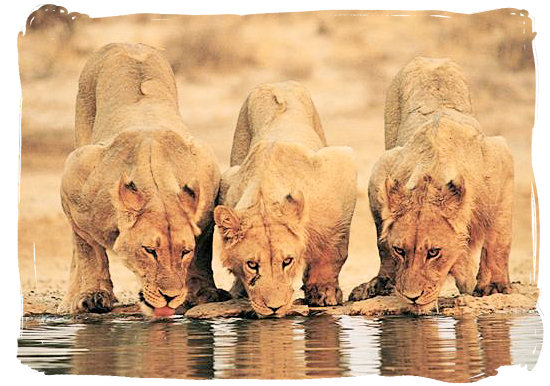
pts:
[444, 348]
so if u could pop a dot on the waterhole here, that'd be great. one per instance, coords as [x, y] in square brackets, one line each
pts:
[444, 348]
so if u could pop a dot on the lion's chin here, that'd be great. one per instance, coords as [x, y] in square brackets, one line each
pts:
[272, 315]
[263, 313]
[423, 306]
[158, 312]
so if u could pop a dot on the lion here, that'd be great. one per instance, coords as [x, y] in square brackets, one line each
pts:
[441, 195]
[137, 184]
[286, 203]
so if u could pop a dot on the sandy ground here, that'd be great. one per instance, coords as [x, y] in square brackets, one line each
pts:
[345, 59]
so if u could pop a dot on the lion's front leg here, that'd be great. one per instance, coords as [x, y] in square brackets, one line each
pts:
[383, 283]
[200, 278]
[90, 287]
[321, 287]
[493, 275]
[464, 272]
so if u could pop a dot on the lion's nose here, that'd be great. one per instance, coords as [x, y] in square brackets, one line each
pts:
[274, 309]
[166, 297]
[413, 298]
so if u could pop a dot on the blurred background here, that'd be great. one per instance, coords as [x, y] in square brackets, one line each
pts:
[346, 59]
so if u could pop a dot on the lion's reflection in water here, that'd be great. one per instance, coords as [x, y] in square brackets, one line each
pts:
[150, 350]
[446, 349]
[285, 348]
[457, 350]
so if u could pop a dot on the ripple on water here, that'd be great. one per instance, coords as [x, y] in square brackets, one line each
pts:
[444, 348]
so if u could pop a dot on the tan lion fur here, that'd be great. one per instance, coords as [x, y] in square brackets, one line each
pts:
[442, 187]
[286, 196]
[137, 180]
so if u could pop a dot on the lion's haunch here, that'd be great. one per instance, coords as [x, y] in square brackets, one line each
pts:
[164, 311]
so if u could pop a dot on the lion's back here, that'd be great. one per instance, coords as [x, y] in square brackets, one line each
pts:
[422, 88]
[117, 78]
[280, 111]
[327, 178]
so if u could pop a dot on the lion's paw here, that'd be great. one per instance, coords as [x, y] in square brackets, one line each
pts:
[377, 286]
[99, 302]
[322, 295]
[210, 294]
[493, 288]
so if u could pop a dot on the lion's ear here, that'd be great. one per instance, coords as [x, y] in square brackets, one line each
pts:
[189, 196]
[293, 205]
[452, 194]
[393, 194]
[228, 222]
[131, 198]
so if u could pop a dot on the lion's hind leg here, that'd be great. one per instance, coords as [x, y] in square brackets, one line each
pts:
[90, 287]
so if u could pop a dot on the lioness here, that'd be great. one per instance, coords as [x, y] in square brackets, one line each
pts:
[288, 201]
[139, 184]
[440, 193]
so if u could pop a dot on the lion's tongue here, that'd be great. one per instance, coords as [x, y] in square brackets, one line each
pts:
[164, 311]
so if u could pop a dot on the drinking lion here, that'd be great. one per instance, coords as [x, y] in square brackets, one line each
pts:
[288, 201]
[441, 195]
[137, 184]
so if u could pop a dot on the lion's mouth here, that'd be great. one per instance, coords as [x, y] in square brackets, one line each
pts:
[263, 311]
[422, 303]
[270, 314]
[425, 299]
[156, 311]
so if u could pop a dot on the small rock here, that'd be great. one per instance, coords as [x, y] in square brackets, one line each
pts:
[230, 308]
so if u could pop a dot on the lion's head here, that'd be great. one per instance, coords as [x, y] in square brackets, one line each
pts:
[263, 246]
[425, 232]
[157, 224]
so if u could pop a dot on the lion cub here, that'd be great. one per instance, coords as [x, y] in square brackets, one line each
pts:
[288, 201]
[137, 184]
[441, 193]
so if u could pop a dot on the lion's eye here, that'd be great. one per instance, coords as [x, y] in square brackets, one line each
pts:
[150, 251]
[400, 251]
[252, 264]
[185, 252]
[287, 261]
[433, 253]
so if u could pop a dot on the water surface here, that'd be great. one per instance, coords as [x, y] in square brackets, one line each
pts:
[444, 348]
